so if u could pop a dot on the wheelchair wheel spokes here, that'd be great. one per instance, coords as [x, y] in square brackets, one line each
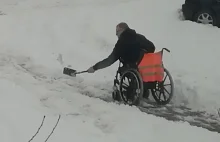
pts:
[125, 84]
[166, 82]
[124, 88]
[130, 91]
[127, 88]
[163, 92]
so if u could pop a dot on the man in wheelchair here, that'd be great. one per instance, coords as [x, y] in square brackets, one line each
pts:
[129, 49]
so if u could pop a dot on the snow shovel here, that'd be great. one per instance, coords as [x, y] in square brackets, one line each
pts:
[71, 72]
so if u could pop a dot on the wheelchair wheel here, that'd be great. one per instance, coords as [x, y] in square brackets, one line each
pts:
[160, 91]
[131, 87]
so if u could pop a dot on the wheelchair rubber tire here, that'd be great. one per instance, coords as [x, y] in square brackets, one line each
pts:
[140, 82]
[159, 102]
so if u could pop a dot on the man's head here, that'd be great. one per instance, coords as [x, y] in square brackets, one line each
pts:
[120, 28]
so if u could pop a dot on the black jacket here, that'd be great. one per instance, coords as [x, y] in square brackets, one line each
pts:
[128, 49]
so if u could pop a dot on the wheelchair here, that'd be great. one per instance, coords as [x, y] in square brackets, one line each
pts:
[130, 88]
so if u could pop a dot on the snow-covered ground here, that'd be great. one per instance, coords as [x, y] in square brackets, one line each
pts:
[39, 38]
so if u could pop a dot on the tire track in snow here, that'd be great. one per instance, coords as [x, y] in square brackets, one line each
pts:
[170, 112]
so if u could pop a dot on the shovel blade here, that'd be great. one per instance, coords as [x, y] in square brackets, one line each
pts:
[69, 71]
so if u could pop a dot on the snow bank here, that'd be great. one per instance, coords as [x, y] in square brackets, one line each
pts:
[36, 35]
[26, 98]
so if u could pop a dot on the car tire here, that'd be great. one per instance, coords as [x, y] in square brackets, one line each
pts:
[205, 17]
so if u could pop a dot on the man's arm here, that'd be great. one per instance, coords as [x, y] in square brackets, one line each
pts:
[113, 57]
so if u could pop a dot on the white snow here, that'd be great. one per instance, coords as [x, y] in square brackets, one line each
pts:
[39, 38]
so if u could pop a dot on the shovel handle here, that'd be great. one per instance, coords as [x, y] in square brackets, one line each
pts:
[81, 72]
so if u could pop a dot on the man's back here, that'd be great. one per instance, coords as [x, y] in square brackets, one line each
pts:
[130, 46]
[146, 44]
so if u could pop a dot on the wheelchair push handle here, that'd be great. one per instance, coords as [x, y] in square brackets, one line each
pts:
[165, 49]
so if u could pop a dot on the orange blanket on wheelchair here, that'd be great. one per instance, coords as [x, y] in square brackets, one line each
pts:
[151, 67]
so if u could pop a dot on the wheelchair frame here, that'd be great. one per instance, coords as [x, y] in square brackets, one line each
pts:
[141, 87]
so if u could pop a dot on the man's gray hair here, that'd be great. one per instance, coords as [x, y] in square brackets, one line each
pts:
[123, 25]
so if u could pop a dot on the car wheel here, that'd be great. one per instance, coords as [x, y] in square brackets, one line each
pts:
[205, 17]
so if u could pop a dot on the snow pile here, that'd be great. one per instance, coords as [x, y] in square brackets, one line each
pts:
[27, 97]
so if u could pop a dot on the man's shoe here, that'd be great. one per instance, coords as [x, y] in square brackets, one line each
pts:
[146, 94]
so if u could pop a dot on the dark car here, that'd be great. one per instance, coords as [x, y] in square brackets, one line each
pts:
[202, 11]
